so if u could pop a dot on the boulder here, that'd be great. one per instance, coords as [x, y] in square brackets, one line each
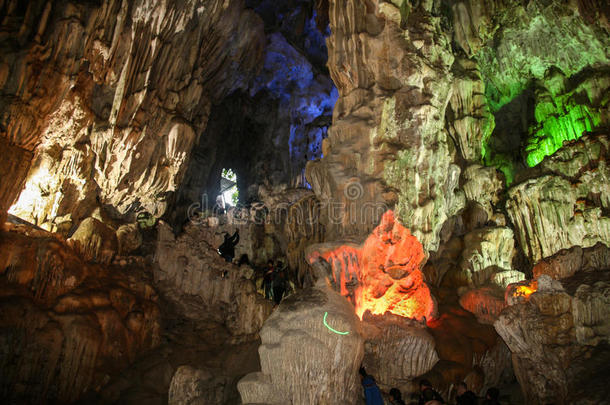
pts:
[194, 386]
[390, 337]
[312, 340]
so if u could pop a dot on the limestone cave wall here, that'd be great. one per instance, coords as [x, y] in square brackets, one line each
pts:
[445, 158]
[110, 97]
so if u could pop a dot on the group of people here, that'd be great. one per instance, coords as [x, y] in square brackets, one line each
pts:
[274, 281]
[426, 395]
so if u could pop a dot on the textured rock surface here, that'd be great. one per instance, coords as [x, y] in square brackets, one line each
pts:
[570, 43]
[487, 251]
[117, 104]
[211, 365]
[469, 118]
[15, 161]
[485, 303]
[467, 350]
[389, 338]
[565, 206]
[95, 241]
[387, 145]
[65, 323]
[299, 352]
[383, 274]
[557, 336]
[567, 262]
[483, 185]
[189, 268]
[191, 386]
[129, 238]
[541, 92]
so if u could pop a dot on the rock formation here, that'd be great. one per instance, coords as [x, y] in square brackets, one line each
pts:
[396, 351]
[383, 274]
[387, 144]
[557, 336]
[310, 354]
[195, 386]
[67, 324]
[564, 206]
[431, 167]
[188, 267]
[101, 96]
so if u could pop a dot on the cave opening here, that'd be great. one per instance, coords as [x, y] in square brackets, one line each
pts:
[229, 193]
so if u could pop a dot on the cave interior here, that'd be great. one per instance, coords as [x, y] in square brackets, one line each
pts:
[249, 201]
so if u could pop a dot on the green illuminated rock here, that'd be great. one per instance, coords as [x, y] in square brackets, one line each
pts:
[517, 45]
[567, 205]
[533, 39]
[560, 118]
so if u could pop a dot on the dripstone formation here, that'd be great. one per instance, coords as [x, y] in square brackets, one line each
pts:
[420, 188]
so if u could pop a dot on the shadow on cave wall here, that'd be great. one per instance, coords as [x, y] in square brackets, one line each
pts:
[507, 141]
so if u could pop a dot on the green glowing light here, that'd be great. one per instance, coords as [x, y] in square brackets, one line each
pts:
[558, 118]
[330, 328]
[558, 123]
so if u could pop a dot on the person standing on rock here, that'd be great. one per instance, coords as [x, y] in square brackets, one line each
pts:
[372, 394]
[268, 280]
[227, 249]
[279, 287]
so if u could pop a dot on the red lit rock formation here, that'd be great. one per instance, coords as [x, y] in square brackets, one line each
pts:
[384, 274]
[391, 277]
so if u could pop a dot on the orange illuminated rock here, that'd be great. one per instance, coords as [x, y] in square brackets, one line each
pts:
[517, 292]
[384, 274]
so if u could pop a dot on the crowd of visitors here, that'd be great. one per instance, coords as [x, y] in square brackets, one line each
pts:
[426, 395]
